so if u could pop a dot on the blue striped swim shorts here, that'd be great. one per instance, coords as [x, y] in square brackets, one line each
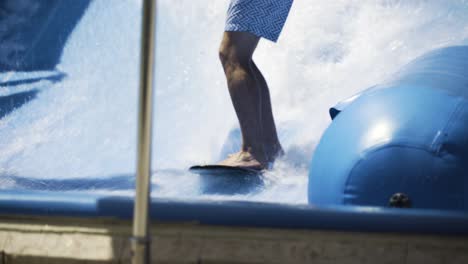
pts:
[264, 18]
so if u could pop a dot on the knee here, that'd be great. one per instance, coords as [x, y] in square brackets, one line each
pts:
[231, 58]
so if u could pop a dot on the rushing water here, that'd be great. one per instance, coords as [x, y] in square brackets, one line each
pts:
[83, 127]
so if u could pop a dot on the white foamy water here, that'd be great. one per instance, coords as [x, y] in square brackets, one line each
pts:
[84, 126]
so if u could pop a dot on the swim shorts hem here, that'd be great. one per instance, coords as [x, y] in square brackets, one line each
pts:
[237, 28]
[263, 18]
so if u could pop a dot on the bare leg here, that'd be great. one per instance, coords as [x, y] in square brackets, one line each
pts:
[250, 97]
[236, 54]
[272, 146]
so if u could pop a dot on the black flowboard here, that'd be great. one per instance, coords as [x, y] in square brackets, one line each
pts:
[220, 170]
[218, 179]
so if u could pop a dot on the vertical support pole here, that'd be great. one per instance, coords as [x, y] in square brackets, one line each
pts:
[141, 238]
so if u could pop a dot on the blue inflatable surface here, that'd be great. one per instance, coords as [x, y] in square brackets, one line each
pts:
[407, 136]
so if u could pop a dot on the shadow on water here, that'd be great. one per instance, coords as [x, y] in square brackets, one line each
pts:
[231, 184]
[112, 183]
[32, 36]
[11, 102]
[53, 78]
[34, 32]
[209, 185]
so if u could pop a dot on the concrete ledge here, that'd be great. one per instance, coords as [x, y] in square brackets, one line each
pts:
[33, 240]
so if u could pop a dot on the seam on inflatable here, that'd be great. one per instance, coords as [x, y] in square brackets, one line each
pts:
[374, 149]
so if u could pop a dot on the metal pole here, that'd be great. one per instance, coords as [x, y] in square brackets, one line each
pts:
[141, 238]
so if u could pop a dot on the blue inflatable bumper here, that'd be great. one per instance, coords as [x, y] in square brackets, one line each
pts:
[407, 136]
[241, 214]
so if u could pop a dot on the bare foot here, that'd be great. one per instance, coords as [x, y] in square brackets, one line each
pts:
[242, 160]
